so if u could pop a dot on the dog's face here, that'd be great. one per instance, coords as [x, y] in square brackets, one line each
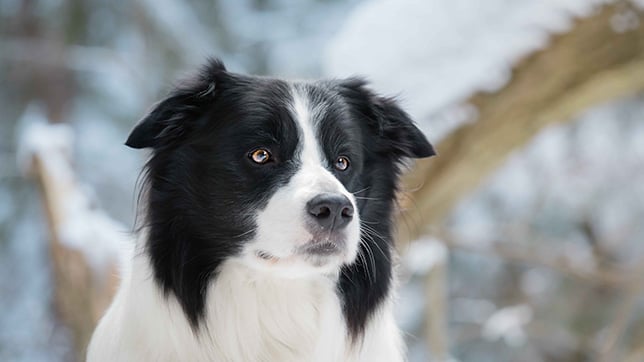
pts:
[286, 177]
[310, 220]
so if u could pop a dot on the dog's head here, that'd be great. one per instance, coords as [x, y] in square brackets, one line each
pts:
[288, 177]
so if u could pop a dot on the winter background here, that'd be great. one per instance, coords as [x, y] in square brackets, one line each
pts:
[93, 67]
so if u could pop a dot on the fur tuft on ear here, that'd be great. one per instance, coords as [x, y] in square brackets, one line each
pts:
[397, 132]
[174, 116]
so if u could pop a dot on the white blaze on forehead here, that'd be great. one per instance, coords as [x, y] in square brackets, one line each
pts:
[314, 174]
[314, 170]
[304, 113]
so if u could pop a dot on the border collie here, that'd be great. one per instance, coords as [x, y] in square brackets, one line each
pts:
[266, 230]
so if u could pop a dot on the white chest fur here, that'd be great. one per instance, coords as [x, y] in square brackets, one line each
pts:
[257, 318]
[249, 317]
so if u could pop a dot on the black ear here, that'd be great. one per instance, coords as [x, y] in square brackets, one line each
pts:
[176, 115]
[400, 131]
[397, 132]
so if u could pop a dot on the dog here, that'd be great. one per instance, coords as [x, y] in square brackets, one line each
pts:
[266, 231]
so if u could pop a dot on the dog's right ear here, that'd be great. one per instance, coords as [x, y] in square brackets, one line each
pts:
[397, 134]
[176, 115]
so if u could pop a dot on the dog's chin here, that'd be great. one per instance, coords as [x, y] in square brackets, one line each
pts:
[316, 257]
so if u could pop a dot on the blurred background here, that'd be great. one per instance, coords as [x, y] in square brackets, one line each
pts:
[522, 241]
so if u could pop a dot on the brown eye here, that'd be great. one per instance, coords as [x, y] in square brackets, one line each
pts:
[342, 163]
[260, 156]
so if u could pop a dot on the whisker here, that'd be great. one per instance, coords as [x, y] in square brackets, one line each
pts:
[365, 198]
[363, 259]
[344, 272]
[371, 232]
[363, 190]
[243, 234]
[369, 222]
[368, 268]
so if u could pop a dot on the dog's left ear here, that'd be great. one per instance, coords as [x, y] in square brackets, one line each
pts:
[397, 132]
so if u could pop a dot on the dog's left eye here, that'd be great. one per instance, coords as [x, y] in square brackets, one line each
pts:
[341, 163]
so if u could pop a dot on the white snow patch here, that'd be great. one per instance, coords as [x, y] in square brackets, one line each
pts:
[83, 226]
[86, 228]
[508, 324]
[37, 137]
[624, 21]
[425, 254]
[440, 52]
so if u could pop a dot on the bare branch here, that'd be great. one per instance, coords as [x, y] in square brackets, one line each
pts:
[531, 255]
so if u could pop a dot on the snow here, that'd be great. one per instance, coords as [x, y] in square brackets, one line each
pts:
[90, 230]
[82, 224]
[438, 53]
[624, 21]
[37, 137]
[425, 254]
[508, 324]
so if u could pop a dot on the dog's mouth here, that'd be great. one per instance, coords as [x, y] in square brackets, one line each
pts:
[313, 249]
[324, 248]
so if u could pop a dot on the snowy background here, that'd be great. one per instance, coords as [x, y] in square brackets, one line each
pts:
[97, 65]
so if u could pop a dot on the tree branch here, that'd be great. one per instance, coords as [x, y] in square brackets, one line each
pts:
[590, 64]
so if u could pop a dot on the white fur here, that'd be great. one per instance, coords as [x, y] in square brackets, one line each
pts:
[283, 309]
[251, 316]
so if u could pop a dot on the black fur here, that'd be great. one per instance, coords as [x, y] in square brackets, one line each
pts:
[201, 187]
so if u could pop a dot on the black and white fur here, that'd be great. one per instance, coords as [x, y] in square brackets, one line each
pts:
[231, 263]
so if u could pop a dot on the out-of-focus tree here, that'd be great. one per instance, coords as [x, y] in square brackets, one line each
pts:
[95, 66]
[566, 289]
[591, 64]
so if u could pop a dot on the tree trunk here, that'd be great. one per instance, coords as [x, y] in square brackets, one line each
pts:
[82, 292]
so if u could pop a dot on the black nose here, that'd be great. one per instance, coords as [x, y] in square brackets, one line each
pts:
[330, 211]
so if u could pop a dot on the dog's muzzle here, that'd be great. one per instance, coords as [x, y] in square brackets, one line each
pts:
[328, 215]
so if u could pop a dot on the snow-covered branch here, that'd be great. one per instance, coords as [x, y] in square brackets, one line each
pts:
[591, 64]
[86, 244]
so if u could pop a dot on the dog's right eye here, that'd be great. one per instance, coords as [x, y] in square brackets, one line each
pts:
[260, 156]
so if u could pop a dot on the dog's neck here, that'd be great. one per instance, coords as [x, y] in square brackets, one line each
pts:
[250, 316]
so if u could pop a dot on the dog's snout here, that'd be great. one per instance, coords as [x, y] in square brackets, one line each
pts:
[330, 211]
